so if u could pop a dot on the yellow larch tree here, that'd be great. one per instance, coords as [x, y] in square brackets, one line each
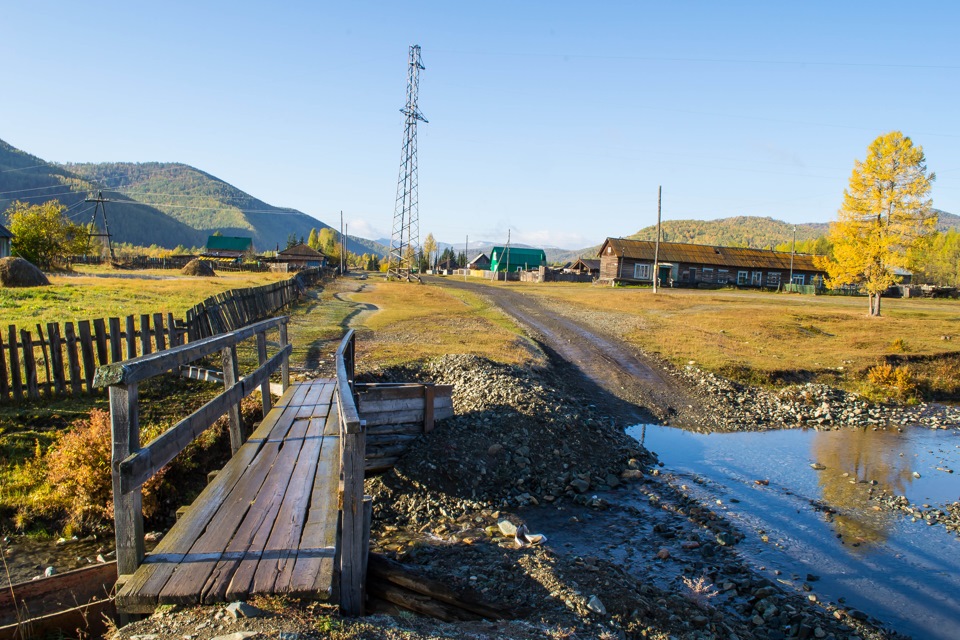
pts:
[886, 210]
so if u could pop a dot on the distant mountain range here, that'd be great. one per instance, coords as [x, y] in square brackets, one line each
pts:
[170, 204]
[166, 204]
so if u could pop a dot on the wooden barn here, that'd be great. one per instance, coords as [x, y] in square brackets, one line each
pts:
[689, 265]
[480, 263]
[585, 266]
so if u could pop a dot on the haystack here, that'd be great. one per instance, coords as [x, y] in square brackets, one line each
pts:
[17, 272]
[197, 267]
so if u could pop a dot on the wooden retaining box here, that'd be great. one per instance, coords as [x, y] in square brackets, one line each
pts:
[396, 414]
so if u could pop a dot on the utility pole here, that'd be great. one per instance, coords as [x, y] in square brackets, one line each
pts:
[405, 237]
[656, 247]
[793, 250]
[466, 256]
[341, 242]
[100, 206]
[506, 255]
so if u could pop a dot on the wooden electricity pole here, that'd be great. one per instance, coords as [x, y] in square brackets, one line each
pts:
[656, 246]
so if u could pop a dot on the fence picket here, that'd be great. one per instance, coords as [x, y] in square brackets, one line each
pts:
[56, 358]
[100, 331]
[158, 332]
[29, 364]
[46, 387]
[16, 381]
[86, 353]
[4, 388]
[73, 357]
[116, 345]
[131, 335]
[144, 334]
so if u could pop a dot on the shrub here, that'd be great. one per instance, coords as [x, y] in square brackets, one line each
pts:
[899, 382]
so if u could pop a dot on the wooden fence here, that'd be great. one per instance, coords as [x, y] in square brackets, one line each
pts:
[60, 359]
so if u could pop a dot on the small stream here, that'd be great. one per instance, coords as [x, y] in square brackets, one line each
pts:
[822, 522]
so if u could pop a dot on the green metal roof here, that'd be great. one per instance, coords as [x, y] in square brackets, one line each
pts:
[517, 258]
[229, 243]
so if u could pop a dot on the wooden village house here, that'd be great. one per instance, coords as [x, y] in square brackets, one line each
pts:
[585, 266]
[302, 256]
[685, 264]
[5, 239]
[230, 247]
[480, 263]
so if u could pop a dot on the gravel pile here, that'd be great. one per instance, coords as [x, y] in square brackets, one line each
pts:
[744, 408]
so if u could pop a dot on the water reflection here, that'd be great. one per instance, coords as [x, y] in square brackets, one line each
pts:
[859, 464]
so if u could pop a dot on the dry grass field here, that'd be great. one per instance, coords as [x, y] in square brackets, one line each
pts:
[766, 337]
[94, 292]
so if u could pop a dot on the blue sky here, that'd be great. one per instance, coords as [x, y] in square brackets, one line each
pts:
[556, 120]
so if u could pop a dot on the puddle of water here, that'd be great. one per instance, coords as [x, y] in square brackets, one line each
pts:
[905, 573]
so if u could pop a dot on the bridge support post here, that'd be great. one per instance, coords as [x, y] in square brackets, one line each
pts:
[127, 507]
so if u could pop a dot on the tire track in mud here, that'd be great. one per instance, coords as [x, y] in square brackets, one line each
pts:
[615, 366]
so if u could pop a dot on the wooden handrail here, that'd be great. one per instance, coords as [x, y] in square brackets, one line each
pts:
[133, 465]
[353, 546]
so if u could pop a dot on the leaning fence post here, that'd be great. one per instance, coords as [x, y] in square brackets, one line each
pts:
[285, 367]
[265, 400]
[127, 507]
[230, 379]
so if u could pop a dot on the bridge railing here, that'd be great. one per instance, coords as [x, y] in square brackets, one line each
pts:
[132, 464]
[354, 506]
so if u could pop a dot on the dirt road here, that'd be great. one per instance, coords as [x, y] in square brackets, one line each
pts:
[647, 390]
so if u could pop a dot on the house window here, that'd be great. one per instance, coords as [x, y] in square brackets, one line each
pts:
[723, 276]
[798, 278]
[773, 278]
[708, 274]
[641, 271]
[743, 277]
[693, 274]
[757, 278]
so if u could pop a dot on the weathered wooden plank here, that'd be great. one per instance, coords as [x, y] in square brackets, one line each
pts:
[16, 381]
[262, 516]
[145, 334]
[186, 585]
[429, 406]
[116, 344]
[86, 353]
[296, 398]
[196, 373]
[47, 386]
[100, 338]
[150, 365]
[367, 407]
[56, 357]
[280, 553]
[230, 375]
[144, 587]
[317, 402]
[29, 364]
[131, 335]
[4, 387]
[158, 332]
[73, 358]
[395, 417]
[379, 465]
[265, 400]
[409, 428]
[351, 551]
[313, 571]
[172, 333]
[369, 392]
[127, 506]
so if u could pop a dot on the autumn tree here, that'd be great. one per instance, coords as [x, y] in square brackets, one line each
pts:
[41, 233]
[429, 248]
[886, 210]
[313, 240]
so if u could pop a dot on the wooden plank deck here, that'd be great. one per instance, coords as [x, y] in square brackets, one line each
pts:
[266, 524]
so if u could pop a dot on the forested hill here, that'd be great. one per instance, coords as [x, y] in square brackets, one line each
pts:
[739, 231]
[32, 180]
[205, 202]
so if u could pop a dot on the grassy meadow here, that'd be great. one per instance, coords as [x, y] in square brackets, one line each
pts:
[764, 337]
[94, 292]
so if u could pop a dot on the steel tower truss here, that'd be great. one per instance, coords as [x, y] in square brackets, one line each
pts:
[405, 238]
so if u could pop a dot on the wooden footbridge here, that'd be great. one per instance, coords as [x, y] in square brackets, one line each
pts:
[287, 514]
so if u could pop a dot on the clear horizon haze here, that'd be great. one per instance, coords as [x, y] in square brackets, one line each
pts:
[556, 121]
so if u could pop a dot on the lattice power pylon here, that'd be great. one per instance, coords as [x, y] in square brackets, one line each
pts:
[405, 238]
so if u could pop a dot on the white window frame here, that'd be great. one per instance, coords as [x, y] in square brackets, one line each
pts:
[743, 277]
[641, 271]
[798, 278]
[756, 279]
